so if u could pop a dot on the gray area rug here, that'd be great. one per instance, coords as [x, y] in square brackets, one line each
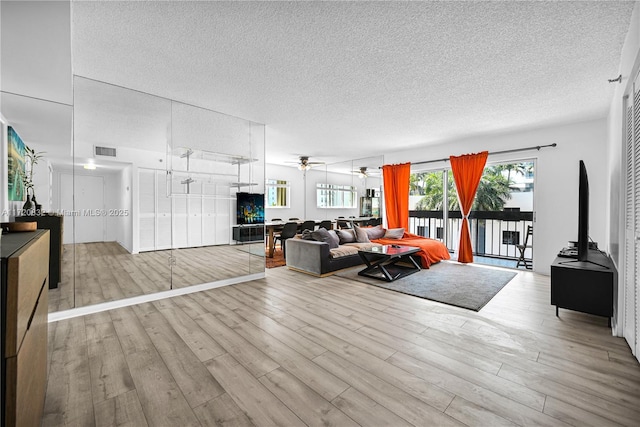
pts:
[461, 285]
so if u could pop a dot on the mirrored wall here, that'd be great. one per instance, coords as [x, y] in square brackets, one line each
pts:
[351, 188]
[139, 191]
[144, 191]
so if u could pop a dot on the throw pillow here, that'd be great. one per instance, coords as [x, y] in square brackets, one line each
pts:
[322, 235]
[361, 235]
[394, 233]
[306, 235]
[346, 235]
[334, 236]
[376, 232]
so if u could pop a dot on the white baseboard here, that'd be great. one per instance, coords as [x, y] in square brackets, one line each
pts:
[126, 302]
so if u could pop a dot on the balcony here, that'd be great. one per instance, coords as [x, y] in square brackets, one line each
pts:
[494, 234]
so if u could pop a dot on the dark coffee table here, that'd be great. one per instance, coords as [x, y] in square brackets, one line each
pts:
[382, 262]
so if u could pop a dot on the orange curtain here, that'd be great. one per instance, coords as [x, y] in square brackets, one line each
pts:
[396, 194]
[467, 171]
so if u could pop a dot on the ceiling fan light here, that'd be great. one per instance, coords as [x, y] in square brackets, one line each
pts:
[304, 167]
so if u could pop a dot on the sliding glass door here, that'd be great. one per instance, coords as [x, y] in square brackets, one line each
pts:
[501, 214]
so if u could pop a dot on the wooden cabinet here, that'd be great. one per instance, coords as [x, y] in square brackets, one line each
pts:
[54, 223]
[25, 272]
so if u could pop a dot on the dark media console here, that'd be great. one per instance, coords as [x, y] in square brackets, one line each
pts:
[248, 233]
[586, 286]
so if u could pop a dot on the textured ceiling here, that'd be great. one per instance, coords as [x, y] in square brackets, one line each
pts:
[331, 79]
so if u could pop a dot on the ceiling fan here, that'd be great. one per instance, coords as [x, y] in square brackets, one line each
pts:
[304, 164]
[363, 172]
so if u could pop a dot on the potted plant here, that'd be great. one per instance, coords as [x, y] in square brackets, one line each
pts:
[33, 157]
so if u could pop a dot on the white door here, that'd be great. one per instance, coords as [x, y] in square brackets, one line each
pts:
[147, 209]
[223, 222]
[86, 201]
[208, 221]
[194, 223]
[632, 221]
[163, 224]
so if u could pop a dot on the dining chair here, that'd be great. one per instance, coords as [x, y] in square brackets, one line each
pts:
[276, 219]
[290, 229]
[294, 219]
[326, 224]
[522, 260]
[342, 223]
[308, 225]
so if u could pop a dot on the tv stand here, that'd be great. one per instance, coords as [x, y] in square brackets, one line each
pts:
[586, 263]
[248, 233]
[586, 286]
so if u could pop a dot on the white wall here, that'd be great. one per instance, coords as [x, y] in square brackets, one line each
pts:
[556, 185]
[35, 61]
[41, 184]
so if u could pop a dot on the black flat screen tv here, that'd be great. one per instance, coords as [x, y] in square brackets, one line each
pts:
[249, 208]
[583, 214]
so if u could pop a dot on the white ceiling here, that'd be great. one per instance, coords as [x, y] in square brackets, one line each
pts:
[333, 79]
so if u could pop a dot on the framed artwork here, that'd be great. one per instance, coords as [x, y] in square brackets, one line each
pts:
[15, 166]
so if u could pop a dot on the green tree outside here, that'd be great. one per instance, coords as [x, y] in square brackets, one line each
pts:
[493, 190]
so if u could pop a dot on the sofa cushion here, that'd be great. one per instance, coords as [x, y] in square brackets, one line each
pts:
[346, 235]
[322, 235]
[334, 236]
[376, 232]
[361, 235]
[343, 250]
[394, 233]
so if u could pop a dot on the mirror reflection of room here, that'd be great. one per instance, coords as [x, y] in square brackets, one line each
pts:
[169, 192]
[143, 195]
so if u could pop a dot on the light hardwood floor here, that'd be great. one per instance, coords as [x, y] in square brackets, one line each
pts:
[296, 350]
[94, 273]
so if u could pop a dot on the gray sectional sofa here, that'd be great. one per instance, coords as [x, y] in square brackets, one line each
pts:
[316, 258]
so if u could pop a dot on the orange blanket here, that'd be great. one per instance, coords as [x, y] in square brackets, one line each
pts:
[432, 251]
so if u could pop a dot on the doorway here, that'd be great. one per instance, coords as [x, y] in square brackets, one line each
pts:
[85, 200]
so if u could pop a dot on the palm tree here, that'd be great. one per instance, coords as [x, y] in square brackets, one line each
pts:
[416, 183]
[432, 191]
[492, 194]
[518, 168]
[493, 191]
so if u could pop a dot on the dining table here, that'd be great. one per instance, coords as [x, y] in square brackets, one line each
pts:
[360, 221]
[272, 227]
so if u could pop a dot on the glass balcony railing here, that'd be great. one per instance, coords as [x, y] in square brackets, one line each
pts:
[493, 233]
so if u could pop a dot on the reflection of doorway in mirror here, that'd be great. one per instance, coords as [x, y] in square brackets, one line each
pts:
[88, 215]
